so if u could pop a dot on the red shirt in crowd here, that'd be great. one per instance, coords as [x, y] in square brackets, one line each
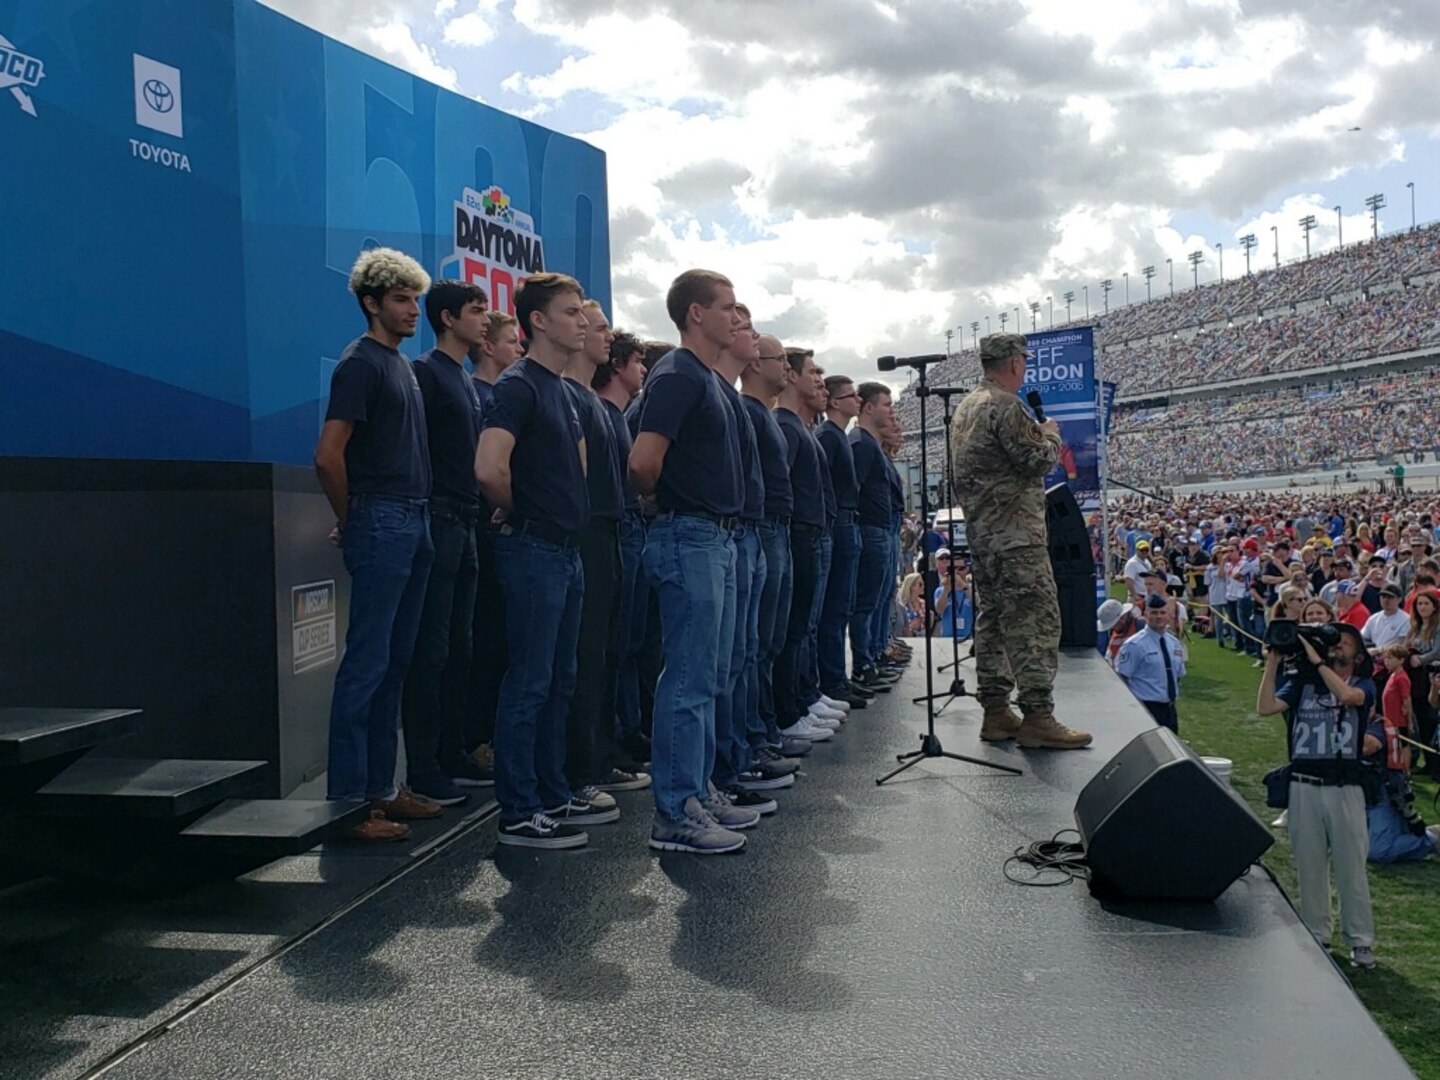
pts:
[1392, 701]
[1356, 616]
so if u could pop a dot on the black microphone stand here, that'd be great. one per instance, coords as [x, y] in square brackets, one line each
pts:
[929, 744]
[957, 684]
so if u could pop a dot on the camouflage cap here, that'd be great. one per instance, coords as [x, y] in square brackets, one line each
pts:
[1001, 346]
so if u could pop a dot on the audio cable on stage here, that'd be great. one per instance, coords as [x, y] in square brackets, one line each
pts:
[1048, 862]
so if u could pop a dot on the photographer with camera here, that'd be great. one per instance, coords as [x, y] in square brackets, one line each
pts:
[1327, 708]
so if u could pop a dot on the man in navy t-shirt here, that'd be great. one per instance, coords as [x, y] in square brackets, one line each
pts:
[687, 455]
[842, 406]
[373, 462]
[531, 467]
[497, 352]
[618, 382]
[433, 703]
[876, 575]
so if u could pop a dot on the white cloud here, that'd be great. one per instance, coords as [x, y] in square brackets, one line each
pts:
[397, 43]
[472, 29]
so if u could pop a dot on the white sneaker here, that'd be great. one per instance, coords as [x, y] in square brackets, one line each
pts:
[823, 721]
[824, 712]
[596, 798]
[1282, 821]
[839, 706]
[804, 729]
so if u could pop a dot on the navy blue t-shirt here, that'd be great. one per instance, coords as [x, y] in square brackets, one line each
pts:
[547, 481]
[620, 432]
[774, 458]
[897, 488]
[827, 486]
[873, 476]
[375, 389]
[750, 472]
[842, 464]
[452, 425]
[802, 455]
[684, 402]
[602, 469]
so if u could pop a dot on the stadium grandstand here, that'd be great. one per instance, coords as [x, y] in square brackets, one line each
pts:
[1321, 364]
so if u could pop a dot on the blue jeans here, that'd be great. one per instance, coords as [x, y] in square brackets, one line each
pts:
[1250, 611]
[774, 617]
[431, 707]
[789, 665]
[808, 682]
[881, 628]
[544, 589]
[690, 562]
[388, 553]
[839, 605]
[873, 571]
[732, 751]
[634, 603]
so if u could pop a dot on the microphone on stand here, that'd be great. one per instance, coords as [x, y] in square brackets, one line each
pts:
[1037, 404]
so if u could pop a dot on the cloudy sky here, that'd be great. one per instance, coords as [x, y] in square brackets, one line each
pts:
[872, 173]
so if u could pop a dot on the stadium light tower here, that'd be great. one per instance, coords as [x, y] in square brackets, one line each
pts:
[1149, 273]
[1126, 276]
[1376, 203]
[1339, 228]
[1069, 299]
[1034, 313]
[1275, 232]
[1087, 300]
[1220, 249]
[1003, 316]
[1307, 223]
[1051, 301]
[1411, 186]
[975, 334]
[1196, 258]
[1105, 287]
[1248, 243]
[1171, 264]
[987, 325]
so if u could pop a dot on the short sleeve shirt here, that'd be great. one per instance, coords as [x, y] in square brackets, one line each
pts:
[841, 458]
[750, 471]
[684, 402]
[803, 457]
[873, 477]
[452, 425]
[602, 467]
[375, 389]
[774, 458]
[620, 431]
[547, 480]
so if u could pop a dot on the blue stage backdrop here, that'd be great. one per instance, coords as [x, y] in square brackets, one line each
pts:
[1062, 369]
[187, 185]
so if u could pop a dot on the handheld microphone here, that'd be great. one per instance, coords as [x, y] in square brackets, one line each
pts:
[1037, 404]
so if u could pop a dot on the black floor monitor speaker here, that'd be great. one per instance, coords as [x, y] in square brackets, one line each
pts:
[1076, 594]
[1157, 824]
[1069, 540]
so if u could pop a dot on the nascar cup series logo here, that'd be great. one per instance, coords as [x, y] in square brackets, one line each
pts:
[496, 246]
[19, 74]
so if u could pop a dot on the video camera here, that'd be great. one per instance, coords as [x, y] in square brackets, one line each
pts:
[1285, 637]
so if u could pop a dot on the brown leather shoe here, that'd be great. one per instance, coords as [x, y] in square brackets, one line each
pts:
[1041, 731]
[377, 828]
[407, 806]
[1000, 722]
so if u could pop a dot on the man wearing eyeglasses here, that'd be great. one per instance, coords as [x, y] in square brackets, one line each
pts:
[843, 405]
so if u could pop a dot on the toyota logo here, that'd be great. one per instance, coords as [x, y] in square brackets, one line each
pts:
[158, 96]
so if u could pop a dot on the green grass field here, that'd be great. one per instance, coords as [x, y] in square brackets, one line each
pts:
[1217, 717]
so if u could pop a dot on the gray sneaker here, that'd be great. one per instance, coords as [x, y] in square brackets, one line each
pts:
[697, 833]
[718, 805]
[1362, 956]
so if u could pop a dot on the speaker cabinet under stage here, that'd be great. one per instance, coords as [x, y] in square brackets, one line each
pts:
[1157, 824]
[1069, 540]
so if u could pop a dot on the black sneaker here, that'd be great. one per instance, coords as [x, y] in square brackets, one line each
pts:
[848, 696]
[745, 799]
[465, 771]
[579, 812]
[771, 763]
[793, 748]
[623, 780]
[541, 831]
[873, 681]
[856, 690]
[756, 780]
[437, 788]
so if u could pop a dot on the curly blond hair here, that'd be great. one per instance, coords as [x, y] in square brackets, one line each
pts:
[381, 269]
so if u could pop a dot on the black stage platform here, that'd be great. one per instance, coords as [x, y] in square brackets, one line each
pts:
[865, 932]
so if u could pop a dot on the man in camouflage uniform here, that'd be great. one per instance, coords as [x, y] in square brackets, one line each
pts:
[1001, 456]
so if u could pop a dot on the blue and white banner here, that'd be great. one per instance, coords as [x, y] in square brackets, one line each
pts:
[1062, 369]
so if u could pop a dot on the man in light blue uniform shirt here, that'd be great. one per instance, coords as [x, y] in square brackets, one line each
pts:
[1152, 663]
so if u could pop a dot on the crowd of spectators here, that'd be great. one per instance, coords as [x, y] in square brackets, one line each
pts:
[1376, 298]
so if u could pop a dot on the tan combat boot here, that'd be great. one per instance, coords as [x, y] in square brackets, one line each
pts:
[1041, 731]
[1000, 722]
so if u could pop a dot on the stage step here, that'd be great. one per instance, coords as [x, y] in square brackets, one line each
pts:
[29, 735]
[261, 830]
[143, 788]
